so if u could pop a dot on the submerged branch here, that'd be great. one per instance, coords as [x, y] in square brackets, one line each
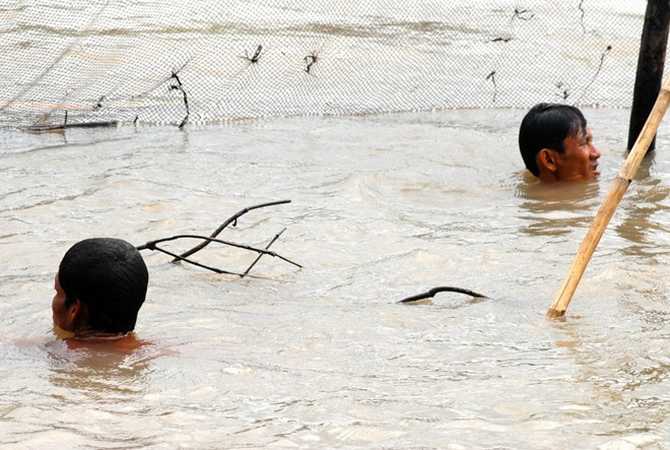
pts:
[65, 126]
[432, 292]
[189, 261]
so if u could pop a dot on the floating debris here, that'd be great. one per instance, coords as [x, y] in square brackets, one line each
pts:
[431, 293]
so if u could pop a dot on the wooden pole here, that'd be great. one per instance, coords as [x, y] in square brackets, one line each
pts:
[606, 211]
[650, 64]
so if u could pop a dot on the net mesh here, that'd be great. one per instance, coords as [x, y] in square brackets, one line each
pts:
[202, 61]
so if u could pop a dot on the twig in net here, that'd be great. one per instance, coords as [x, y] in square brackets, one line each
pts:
[59, 58]
[564, 92]
[232, 219]
[582, 13]
[98, 104]
[180, 87]
[161, 82]
[153, 245]
[595, 76]
[62, 128]
[253, 59]
[260, 255]
[310, 60]
[522, 14]
[492, 76]
[432, 292]
[66, 125]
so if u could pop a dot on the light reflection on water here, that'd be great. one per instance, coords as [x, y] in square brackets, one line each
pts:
[383, 207]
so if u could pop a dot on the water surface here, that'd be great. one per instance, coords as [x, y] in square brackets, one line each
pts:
[383, 207]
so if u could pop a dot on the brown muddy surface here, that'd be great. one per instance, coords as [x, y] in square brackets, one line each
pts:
[383, 207]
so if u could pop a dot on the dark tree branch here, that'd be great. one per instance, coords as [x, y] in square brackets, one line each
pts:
[151, 245]
[432, 292]
[66, 125]
[161, 82]
[189, 261]
[267, 247]
[231, 219]
[501, 39]
[180, 87]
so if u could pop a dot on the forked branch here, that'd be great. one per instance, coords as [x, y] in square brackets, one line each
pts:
[232, 219]
[153, 245]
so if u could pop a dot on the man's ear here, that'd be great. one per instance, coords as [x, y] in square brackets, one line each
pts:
[73, 311]
[547, 159]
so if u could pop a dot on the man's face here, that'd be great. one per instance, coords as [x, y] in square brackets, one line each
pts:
[60, 311]
[579, 160]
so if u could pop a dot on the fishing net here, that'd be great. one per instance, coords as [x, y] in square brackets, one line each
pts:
[76, 62]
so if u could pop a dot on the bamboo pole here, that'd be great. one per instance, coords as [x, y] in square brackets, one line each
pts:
[610, 204]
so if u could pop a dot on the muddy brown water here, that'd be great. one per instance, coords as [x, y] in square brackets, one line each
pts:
[383, 207]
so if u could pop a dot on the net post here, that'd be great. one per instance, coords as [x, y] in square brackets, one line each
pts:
[650, 64]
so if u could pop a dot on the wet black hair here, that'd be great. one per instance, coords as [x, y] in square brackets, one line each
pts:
[546, 125]
[109, 276]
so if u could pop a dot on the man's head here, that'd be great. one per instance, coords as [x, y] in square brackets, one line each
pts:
[556, 144]
[100, 286]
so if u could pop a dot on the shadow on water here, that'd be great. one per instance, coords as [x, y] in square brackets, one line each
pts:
[624, 381]
[100, 370]
[551, 210]
[620, 357]
[643, 214]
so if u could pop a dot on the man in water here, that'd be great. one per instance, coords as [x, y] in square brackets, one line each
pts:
[100, 286]
[556, 144]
